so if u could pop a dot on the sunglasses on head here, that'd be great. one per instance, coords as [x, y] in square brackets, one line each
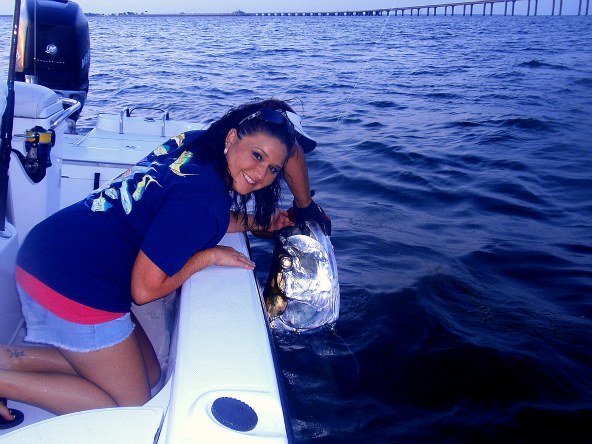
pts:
[277, 116]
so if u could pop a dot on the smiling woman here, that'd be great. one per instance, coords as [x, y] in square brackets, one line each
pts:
[138, 238]
[250, 146]
[254, 161]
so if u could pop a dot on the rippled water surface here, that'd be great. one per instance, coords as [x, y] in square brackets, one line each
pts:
[455, 161]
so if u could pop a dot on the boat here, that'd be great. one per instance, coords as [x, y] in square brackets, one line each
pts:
[220, 378]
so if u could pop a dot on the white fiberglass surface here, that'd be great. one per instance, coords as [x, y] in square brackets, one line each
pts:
[9, 304]
[223, 351]
[127, 425]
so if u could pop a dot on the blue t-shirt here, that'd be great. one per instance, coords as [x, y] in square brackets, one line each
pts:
[170, 205]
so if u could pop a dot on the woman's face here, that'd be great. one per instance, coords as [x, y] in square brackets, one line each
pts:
[254, 161]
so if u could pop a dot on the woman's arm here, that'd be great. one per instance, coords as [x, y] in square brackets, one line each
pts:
[237, 225]
[150, 283]
[278, 221]
[296, 175]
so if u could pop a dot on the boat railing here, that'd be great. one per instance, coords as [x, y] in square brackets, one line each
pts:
[127, 112]
[70, 107]
[73, 106]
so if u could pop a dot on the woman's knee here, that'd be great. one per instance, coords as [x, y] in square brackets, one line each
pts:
[118, 370]
[151, 362]
[154, 374]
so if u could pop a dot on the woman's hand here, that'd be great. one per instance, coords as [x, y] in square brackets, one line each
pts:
[280, 220]
[229, 257]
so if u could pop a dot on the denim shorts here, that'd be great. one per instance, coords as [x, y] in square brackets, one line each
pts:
[44, 327]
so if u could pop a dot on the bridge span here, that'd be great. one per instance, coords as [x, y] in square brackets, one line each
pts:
[484, 7]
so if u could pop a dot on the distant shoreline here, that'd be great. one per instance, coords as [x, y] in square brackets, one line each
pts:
[212, 14]
[225, 14]
[358, 13]
[179, 14]
[222, 14]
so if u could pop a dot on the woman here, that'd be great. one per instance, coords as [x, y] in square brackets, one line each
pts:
[138, 238]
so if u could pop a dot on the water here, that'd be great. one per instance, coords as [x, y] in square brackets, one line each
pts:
[454, 160]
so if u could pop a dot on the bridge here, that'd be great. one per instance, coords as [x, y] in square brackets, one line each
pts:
[467, 8]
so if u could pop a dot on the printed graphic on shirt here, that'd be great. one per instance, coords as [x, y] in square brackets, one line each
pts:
[170, 145]
[130, 186]
[183, 159]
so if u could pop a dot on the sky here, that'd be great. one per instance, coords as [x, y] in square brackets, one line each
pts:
[206, 6]
[175, 6]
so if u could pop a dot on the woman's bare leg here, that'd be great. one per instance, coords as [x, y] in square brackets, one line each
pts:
[148, 354]
[55, 392]
[119, 371]
[114, 376]
[29, 358]
[34, 359]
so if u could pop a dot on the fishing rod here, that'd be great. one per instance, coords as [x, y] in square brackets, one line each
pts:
[7, 119]
[362, 71]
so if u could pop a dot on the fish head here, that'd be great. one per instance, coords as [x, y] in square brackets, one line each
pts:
[303, 290]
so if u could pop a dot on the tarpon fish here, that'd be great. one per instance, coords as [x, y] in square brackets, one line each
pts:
[302, 290]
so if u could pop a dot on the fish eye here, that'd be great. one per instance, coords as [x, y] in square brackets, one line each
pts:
[286, 262]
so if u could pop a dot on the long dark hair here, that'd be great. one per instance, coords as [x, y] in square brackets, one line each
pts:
[210, 148]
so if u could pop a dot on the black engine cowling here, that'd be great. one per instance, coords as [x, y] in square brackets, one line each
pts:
[54, 47]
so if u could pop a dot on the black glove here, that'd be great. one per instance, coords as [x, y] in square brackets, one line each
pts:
[314, 213]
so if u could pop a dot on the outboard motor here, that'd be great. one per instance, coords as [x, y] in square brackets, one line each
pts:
[54, 47]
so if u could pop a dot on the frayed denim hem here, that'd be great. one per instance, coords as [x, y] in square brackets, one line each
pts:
[76, 349]
[44, 327]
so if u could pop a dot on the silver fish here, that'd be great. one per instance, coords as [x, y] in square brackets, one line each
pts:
[302, 290]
